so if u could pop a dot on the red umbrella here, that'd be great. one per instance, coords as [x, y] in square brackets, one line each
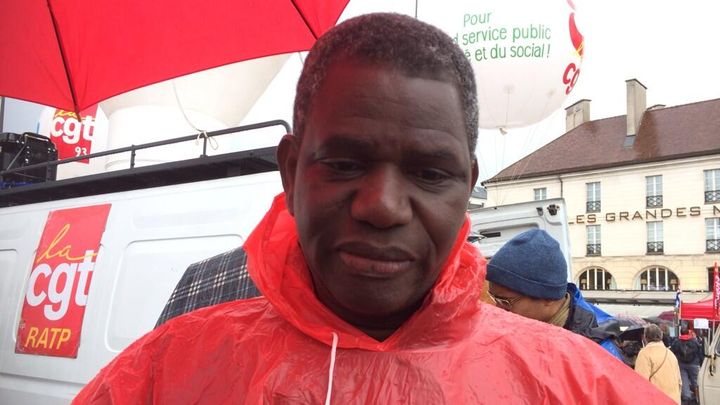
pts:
[72, 54]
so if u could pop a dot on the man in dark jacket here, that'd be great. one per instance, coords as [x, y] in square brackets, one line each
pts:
[689, 353]
[528, 276]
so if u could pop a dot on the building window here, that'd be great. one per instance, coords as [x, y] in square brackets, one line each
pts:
[712, 234]
[657, 279]
[596, 278]
[593, 240]
[540, 193]
[711, 279]
[593, 197]
[712, 186]
[654, 197]
[655, 245]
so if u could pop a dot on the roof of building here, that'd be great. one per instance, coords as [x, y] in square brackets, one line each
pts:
[677, 132]
[479, 192]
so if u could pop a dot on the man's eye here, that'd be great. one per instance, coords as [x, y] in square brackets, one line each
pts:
[432, 175]
[343, 166]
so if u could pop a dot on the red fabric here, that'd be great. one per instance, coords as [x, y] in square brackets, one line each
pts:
[111, 47]
[716, 291]
[275, 349]
[700, 309]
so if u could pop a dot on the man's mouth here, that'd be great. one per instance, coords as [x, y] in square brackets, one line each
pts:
[372, 261]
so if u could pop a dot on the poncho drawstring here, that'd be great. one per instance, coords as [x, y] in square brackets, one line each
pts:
[333, 351]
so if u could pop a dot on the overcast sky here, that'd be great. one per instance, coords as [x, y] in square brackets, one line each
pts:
[670, 46]
[666, 45]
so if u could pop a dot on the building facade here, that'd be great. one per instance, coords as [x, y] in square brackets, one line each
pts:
[642, 193]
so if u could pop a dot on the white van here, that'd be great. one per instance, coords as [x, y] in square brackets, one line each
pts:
[83, 277]
[85, 274]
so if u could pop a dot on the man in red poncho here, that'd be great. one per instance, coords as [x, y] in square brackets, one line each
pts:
[370, 292]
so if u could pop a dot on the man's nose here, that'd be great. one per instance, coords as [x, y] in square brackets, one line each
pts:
[383, 200]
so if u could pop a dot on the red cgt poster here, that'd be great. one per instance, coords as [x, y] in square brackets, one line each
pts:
[57, 289]
[73, 136]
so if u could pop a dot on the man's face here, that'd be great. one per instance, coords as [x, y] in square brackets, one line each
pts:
[378, 186]
[529, 307]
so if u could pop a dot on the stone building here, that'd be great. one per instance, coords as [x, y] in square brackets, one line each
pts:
[642, 193]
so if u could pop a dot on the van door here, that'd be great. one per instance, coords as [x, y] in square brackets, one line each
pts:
[140, 247]
[709, 376]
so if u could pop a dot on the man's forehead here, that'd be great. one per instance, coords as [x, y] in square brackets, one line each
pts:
[410, 145]
[346, 65]
[383, 94]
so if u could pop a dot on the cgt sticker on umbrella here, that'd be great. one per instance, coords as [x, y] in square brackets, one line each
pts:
[57, 289]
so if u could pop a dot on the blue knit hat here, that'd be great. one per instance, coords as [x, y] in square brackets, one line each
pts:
[532, 264]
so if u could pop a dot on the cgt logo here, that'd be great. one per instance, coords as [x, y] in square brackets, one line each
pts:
[58, 285]
[66, 125]
[572, 72]
[73, 134]
[61, 280]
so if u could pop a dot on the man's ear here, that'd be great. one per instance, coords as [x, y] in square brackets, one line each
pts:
[475, 173]
[287, 157]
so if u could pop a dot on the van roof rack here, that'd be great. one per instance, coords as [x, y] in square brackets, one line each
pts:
[201, 168]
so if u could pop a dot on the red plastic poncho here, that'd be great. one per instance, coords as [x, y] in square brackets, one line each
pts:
[287, 348]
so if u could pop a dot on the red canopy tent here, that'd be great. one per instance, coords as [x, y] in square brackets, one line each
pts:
[700, 309]
[693, 310]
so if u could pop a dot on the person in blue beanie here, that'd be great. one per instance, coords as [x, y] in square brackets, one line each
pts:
[528, 276]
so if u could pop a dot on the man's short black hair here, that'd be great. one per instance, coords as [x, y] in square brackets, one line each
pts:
[397, 41]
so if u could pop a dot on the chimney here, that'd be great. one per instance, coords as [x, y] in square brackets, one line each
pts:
[636, 103]
[577, 114]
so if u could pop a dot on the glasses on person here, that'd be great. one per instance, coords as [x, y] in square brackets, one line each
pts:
[504, 302]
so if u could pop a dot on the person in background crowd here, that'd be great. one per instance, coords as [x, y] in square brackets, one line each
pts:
[689, 353]
[667, 339]
[630, 350]
[528, 276]
[370, 292]
[658, 364]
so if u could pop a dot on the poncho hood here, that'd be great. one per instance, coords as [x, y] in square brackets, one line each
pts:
[277, 266]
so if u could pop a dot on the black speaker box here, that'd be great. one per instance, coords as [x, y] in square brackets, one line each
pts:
[21, 150]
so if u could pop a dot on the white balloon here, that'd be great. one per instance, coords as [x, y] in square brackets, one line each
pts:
[526, 54]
